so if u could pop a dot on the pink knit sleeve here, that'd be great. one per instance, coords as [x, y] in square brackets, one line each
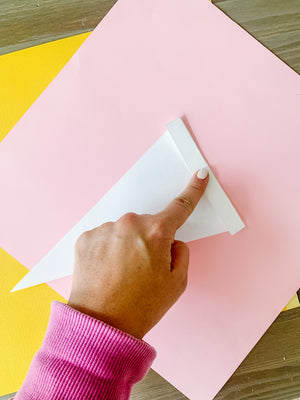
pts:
[84, 358]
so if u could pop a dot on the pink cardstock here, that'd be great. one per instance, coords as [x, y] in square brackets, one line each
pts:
[147, 63]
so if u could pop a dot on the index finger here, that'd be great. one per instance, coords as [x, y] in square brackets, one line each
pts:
[179, 210]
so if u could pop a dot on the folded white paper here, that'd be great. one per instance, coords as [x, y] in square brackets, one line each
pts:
[157, 177]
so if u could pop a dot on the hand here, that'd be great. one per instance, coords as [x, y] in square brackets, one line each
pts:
[128, 273]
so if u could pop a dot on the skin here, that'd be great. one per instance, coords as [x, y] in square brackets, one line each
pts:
[129, 273]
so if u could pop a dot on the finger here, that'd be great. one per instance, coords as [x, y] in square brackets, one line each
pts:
[178, 211]
[180, 262]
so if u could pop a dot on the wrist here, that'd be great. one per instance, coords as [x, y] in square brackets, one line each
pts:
[107, 317]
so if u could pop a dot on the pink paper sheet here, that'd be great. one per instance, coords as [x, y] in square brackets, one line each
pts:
[147, 63]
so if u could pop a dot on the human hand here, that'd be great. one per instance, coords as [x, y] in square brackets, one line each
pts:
[128, 273]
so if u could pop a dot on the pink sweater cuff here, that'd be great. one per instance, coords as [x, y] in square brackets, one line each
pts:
[84, 358]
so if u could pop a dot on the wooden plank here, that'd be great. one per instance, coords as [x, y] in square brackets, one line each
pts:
[32, 22]
[275, 23]
[271, 371]
[7, 396]
[154, 387]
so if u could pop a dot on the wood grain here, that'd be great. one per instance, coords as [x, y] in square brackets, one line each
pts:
[154, 387]
[275, 23]
[32, 22]
[271, 371]
[7, 396]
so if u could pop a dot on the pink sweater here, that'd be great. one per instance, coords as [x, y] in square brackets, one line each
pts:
[83, 358]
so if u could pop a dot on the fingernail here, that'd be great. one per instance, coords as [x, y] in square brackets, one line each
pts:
[202, 173]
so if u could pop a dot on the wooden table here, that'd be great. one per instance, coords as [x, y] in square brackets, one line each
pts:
[272, 369]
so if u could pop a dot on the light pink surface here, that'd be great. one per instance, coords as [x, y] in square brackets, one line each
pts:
[146, 64]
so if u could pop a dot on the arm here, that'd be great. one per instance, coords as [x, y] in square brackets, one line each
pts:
[127, 274]
[82, 357]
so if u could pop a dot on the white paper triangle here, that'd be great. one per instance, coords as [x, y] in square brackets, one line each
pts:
[159, 176]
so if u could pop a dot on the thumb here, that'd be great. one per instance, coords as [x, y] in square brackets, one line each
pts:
[180, 258]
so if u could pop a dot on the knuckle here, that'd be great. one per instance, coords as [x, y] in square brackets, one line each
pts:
[103, 227]
[82, 240]
[129, 218]
[158, 227]
[185, 202]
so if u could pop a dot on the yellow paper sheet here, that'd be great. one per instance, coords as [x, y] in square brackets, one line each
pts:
[26, 73]
[24, 315]
[293, 303]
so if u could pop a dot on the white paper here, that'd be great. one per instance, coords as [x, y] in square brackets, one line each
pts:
[158, 177]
